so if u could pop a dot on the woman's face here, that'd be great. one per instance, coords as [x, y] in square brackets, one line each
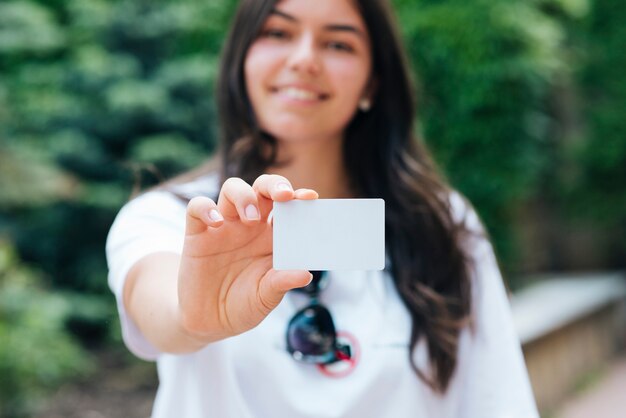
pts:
[308, 69]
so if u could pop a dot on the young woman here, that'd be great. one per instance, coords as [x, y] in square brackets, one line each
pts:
[315, 101]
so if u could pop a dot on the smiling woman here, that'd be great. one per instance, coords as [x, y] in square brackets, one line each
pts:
[315, 100]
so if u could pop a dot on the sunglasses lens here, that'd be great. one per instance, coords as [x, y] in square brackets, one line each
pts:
[311, 332]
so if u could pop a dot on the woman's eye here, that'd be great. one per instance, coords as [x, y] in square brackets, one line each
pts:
[275, 34]
[340, 46]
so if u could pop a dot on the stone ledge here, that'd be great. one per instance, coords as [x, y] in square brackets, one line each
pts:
[569, 326]
[558, 300]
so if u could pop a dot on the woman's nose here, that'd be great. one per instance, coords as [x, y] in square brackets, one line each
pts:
[304, 56]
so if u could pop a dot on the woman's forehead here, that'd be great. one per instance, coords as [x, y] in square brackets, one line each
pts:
[324, 12]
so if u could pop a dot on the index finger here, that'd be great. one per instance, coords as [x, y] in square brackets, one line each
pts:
[306, 194]
[273, 187]
[270, 188]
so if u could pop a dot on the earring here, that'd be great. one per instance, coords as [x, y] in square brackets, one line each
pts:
[365, 104]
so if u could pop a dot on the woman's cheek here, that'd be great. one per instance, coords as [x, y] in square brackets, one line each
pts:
[262, 57]
[350, 75]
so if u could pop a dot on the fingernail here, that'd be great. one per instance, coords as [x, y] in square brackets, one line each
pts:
[252, 213]
[283, 186]
[215, 215]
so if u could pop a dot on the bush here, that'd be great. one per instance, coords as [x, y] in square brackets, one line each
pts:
[36, 354]
[599, 191]
[105, 92]
[485, 69]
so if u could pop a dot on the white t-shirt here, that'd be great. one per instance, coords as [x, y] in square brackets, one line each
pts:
[253, 375]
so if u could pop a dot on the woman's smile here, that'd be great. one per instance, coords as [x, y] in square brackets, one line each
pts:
[299, 94]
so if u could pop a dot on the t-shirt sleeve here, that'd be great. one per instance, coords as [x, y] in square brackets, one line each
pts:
[493, 380]
[153, 222]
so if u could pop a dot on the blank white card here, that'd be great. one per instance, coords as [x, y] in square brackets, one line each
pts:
[329, 234]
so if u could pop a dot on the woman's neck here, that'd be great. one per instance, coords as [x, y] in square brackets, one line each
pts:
[316, 165]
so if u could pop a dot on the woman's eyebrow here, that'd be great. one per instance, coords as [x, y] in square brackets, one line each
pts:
[284, 15]
[331, 27]
[345, 28]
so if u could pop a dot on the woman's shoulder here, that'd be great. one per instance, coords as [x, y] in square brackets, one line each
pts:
[471, 230]
[168, 200]
[204, 185]
[463, 212]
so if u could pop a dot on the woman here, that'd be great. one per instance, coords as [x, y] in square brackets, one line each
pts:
[315, 101]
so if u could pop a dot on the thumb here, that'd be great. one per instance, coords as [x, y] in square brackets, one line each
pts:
[276, 283]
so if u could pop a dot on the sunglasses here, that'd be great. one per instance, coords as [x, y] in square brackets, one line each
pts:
[311, 334]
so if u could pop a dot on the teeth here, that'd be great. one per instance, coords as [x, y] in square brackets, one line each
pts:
[299, 94]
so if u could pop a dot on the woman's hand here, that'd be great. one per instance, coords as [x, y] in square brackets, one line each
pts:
[226, 284]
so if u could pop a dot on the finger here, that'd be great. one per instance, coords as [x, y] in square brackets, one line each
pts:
[276, 283]
[202, 212]
[306, 194]
[270, 188]
[238, 200]
[273, 187]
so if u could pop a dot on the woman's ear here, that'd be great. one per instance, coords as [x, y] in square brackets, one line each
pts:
[369, 92]
[365, 104]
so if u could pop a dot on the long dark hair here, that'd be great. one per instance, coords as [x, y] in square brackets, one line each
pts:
[384, 159]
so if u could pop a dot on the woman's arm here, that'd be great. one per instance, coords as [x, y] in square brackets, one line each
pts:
[151, 300]
[223, 283]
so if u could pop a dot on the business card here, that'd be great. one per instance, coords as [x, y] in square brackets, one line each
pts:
[329, 234]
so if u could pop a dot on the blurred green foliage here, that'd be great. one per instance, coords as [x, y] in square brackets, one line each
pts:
[96, 95]
[485, 68]
[599, 189]
[36, 353]
[585, 181]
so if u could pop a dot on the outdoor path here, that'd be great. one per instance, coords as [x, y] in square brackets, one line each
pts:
[123, 389]
[604, 399]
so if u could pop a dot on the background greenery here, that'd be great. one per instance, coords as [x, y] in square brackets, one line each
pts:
[523, 103]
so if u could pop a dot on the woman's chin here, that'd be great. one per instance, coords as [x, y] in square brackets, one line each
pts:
[290, 134]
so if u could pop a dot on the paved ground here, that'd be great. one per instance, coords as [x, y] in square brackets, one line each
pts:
[126, 389]
[122, 387]
[606, 398]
